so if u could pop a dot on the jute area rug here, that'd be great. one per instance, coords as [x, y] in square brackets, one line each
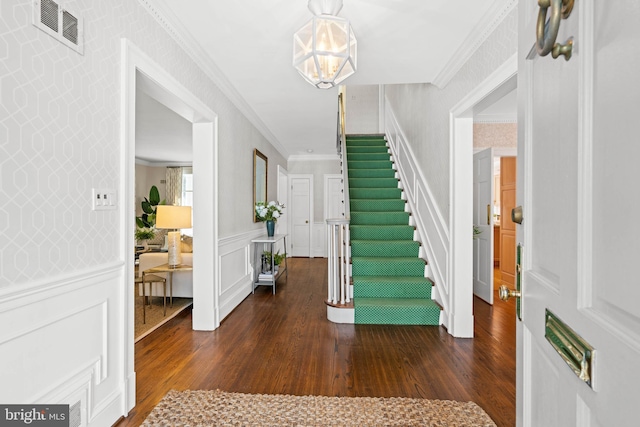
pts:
[219, 408]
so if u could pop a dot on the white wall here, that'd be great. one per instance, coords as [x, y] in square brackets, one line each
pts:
[362, 109]
[422, 110]
[62, 278]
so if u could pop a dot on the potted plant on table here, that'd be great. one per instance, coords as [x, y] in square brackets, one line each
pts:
[269, 213]
[277, 258]
[144, 234]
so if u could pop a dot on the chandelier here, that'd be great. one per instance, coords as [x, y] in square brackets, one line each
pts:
[324, 49]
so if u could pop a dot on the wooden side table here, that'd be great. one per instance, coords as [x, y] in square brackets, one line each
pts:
[165, 268]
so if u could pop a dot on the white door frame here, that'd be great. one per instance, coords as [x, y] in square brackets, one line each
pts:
[205, 220]
[460, 322]
[283, 197]
[311, 207]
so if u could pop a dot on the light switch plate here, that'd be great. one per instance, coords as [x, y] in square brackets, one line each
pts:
[103, 199]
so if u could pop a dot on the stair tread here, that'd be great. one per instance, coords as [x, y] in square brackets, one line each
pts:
[395, 302]
[385, 279]
[382, 242]
[390, 259]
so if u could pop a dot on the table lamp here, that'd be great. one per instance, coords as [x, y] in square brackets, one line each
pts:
[173, 218]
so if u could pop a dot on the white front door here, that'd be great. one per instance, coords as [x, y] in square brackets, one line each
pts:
[578, 178]
[301, 214]
[483, 220]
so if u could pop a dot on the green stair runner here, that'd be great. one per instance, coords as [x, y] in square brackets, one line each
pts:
[389, 286]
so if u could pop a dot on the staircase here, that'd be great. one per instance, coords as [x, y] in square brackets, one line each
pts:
[389, 283]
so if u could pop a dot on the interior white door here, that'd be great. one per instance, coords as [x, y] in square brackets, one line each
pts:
[577, 181]
[301, 214]
[483, 219]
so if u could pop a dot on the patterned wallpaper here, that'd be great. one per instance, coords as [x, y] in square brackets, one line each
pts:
[59, 136]
[487, 135]
[423, 110]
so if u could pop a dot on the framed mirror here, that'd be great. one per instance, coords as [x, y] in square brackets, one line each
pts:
[260, 167]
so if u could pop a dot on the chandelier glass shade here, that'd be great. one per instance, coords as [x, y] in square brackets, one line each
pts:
[324, 51]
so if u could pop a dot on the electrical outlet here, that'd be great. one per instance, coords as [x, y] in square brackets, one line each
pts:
[103, 199]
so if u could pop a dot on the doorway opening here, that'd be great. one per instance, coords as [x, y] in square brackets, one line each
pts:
[494, 87]
[495, 135]
[163, 162]
[139, 69]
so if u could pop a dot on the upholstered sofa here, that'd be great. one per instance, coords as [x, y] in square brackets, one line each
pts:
[182, 280]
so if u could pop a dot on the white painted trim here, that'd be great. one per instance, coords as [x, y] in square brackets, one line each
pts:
[341, 315]
[87, 303]
[311, 207]
[487, 25]
[27, 293]
[381, 108]
[240, 238]
[232, 294]
[460, 322]
[312, 157]
[282, 193]
[431, 229]
[205, 147]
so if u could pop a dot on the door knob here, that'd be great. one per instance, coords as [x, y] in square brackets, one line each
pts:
[505, 293]
[516, 215]
[306, 222]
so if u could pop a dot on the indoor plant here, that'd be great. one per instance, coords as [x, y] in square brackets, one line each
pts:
[149, 207]
[144, 234]
[277, 257]
[269, 213]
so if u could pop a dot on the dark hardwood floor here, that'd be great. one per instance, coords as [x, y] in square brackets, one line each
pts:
[284, 343]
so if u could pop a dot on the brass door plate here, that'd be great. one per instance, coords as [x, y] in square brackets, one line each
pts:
[573, 349]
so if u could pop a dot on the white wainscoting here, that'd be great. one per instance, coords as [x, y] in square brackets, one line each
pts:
[235, 256]
[319, 248]
[431, 228]
[65, 337]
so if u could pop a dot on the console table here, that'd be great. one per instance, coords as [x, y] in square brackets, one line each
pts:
[263, 279]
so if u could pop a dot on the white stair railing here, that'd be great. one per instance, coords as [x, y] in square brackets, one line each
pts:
[338, 239]
[338, 243]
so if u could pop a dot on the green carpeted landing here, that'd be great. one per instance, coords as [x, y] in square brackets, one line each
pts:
[389, 286]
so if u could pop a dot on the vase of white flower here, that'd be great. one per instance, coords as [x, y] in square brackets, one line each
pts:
[269, 213]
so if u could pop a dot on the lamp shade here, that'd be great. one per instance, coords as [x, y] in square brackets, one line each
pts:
[173, 217]
[324, 51]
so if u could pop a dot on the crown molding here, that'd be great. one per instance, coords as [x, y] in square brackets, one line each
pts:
[312, 157]
[496, 118]
[161, 13]
[162, 163]
[487, 25]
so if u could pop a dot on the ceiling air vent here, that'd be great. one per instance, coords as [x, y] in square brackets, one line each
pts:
[63, 25]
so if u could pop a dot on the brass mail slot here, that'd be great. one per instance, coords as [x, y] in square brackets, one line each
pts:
[574, 350]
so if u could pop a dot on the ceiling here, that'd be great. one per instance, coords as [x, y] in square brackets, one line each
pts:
[247, 46]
